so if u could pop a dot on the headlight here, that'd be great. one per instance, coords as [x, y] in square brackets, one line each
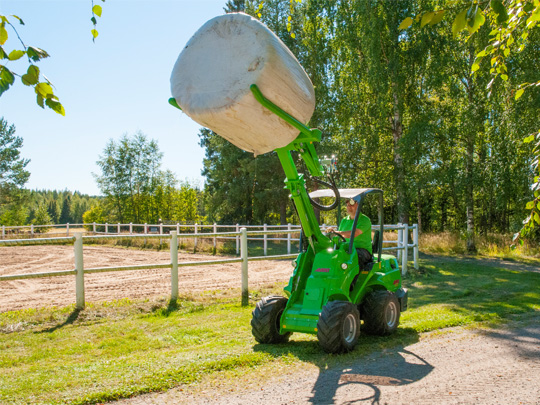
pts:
[344, 266]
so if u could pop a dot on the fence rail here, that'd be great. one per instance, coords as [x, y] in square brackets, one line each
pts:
[402, 247]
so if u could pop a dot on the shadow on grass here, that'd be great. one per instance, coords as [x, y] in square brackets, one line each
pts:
[481, 289]
[376, 361]
[69, 321]
[172, 306]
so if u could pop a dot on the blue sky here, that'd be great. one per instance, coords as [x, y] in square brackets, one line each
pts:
[117, 85]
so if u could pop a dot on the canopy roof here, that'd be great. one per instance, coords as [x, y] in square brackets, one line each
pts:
[354, 193]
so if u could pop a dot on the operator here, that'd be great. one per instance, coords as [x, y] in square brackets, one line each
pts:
[362, 235]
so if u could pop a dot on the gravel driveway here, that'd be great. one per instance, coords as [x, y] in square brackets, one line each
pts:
[455, 366]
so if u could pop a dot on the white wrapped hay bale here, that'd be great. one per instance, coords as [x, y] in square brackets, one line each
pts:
[211, 78]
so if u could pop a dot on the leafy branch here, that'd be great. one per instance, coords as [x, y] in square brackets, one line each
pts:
[96, 11]
[32, 77]
[512, 24]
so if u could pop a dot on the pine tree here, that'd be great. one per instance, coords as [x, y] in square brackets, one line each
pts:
[65, 214]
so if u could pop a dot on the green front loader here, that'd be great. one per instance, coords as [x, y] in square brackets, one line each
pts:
[328, 294]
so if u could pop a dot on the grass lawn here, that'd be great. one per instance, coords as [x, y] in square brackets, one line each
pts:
[124, 348]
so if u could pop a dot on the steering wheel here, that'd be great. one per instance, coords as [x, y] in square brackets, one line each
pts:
[334, 233]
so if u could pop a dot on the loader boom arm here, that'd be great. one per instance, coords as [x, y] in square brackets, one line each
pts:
[295, 182]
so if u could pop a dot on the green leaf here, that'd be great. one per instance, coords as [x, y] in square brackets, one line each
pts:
[481, 54]
[97, 10]
[6, 79]
[36, 54]
[44, 89]
[3, 55]
[40, 101]
[55, 106]
[3, 34]
[519, 93]
[500, 10]
[475, 67]
[437, 18]
[529, 205]
[16, 54]
[459, 23]
[504, 77]
[32, 76]
[406, 23]
[18, 18]
[7, 75]
[94, 34]
[533, 17]
[426, 18]
[477, 22]
[94, 21]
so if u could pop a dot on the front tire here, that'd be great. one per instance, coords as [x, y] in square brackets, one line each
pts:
[380, 312]
[338, 328]
[266, 318]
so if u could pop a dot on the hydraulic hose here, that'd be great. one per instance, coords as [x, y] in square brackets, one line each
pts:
[332, 186]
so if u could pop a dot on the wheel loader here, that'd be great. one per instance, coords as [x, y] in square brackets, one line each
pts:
[217, 81]
[329, 294]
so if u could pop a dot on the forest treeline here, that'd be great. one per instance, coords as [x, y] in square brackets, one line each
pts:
[399, 108]
[133, 188]
[402, 112]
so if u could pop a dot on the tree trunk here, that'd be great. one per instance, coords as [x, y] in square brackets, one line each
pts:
[399, 169]
[469, 189]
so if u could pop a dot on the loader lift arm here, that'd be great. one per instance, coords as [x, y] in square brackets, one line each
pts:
[295, 182]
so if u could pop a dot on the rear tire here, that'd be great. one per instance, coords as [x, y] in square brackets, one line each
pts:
[266, 318]
[338, 328]
[380, 312]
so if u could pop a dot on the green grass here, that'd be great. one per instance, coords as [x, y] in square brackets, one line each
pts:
[124, 348]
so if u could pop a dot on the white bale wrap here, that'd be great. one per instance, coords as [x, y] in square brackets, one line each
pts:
[211, 79]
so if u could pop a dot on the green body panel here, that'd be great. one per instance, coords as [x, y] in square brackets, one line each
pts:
[320, 278]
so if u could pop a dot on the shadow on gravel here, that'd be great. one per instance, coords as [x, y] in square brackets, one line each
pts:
[376, 361]
[524, 338]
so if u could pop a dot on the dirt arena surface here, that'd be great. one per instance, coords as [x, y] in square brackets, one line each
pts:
[60, 291]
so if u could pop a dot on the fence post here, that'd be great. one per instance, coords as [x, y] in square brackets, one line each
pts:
[177, 228]
[131, 228]
[405, 251]
[94, 227]
[215, 240]
[244, 256]
[289, 239]
[237, 239]
[265, 228]
[196, 239]
[118, 229]
[32, 230]
[79, 271]
[67, 228]
[174, 267]
[3, 231]
[399, 241]
[415, 248]
[160, 230]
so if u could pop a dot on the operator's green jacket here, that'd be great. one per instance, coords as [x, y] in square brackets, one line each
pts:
[364, 224]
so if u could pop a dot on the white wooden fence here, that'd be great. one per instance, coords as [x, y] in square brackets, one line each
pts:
[402, 247]
[204, 230]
